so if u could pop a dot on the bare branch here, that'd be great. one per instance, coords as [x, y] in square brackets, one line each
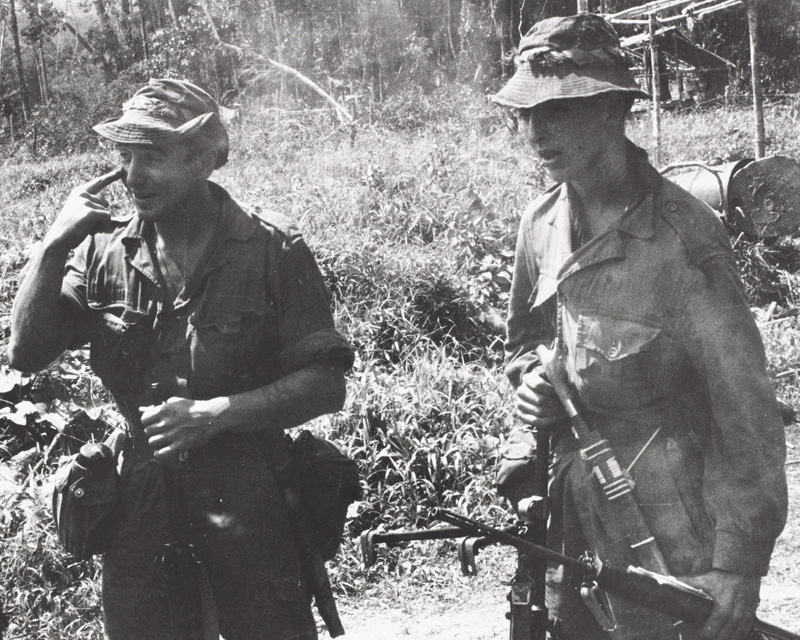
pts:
[343, 113]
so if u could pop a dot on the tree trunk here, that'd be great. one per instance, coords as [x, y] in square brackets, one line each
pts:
[173, 14]
[143, 27]
[449, 18]
[41, 71]
[755, 80]
[340, 24]
[23, 92]
[112, 49]
[79, 38]
[2, 45]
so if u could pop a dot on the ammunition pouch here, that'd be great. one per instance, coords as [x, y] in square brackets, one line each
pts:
[328, 483]
[516, 466]
[85, 501]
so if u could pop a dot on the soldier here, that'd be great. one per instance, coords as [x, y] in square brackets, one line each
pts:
[228, 314]
[636, 281]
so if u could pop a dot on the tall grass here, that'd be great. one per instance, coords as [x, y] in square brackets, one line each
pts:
[413, 219]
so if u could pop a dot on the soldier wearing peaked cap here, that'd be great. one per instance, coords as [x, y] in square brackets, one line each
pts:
[228, 314]
[635, 280]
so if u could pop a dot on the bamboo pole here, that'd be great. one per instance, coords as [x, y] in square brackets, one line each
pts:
[755, 75]
[656, 88]
[649, 8]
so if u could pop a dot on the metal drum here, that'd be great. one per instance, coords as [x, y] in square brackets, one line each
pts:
[759, 197]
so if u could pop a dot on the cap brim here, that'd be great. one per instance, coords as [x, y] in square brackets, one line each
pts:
[138, 127]
[526, 89]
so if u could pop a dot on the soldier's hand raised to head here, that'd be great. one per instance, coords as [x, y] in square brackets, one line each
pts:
[85, 212]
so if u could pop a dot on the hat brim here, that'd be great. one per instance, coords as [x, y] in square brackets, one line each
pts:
[138, 127]
[526, 89]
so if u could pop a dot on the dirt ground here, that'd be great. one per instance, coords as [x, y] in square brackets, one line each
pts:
[482, 617]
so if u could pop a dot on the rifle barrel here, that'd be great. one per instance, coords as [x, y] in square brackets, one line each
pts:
[478, 528]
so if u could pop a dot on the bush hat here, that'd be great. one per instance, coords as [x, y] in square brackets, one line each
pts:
[167, 110]
[568, 57]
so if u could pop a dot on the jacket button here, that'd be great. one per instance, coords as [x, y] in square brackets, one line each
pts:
[672, 207]
[78, 493]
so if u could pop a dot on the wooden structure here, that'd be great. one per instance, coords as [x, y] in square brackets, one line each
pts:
[660, 38]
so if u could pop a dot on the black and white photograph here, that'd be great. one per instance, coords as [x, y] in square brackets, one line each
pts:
[400, 320]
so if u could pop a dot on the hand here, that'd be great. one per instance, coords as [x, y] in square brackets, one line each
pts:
[178, 425]
[537, 402]
[735, 602]
[84, 213]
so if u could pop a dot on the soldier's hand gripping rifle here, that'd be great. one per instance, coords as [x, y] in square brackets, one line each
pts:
[624, 517]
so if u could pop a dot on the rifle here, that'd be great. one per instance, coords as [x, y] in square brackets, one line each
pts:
[646, 588]
[528, 616]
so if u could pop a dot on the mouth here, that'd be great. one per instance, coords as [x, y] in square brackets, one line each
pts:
[141, 198]
[548, 156]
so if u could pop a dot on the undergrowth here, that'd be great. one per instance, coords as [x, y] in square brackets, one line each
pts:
[412, 216]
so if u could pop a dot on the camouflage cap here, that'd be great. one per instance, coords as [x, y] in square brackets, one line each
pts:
[168, 110]
[568, 57]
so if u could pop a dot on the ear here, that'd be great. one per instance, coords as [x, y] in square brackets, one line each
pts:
[205, 161]
[613, 110]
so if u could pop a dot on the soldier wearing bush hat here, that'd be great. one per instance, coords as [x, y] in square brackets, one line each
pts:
[226, 314]
[635, 282]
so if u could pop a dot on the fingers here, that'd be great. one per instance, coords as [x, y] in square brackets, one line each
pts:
[95, 186]
[148, 414]
[537, 403]
[735, 602]
[536, 381]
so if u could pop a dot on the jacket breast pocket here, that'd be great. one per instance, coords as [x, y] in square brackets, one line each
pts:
[227, 352]
[120, 349]
[617, 360]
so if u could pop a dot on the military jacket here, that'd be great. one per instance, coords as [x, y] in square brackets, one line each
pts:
[257, 311]
[659, 338]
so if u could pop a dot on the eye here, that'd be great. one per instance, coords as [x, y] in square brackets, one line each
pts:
[523, 115]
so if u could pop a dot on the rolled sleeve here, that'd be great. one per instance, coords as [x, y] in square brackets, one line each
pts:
[73, 293]
[306, 331]
[744, 477]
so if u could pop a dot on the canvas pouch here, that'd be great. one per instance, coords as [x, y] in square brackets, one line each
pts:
[329, 482]
[85, 500]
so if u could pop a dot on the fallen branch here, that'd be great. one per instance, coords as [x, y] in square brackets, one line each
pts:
[79, 37]
[343, 113]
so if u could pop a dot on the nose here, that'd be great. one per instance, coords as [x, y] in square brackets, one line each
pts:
[135, 175]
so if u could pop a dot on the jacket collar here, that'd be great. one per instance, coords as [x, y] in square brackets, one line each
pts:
[638, 222]
[234, 226]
